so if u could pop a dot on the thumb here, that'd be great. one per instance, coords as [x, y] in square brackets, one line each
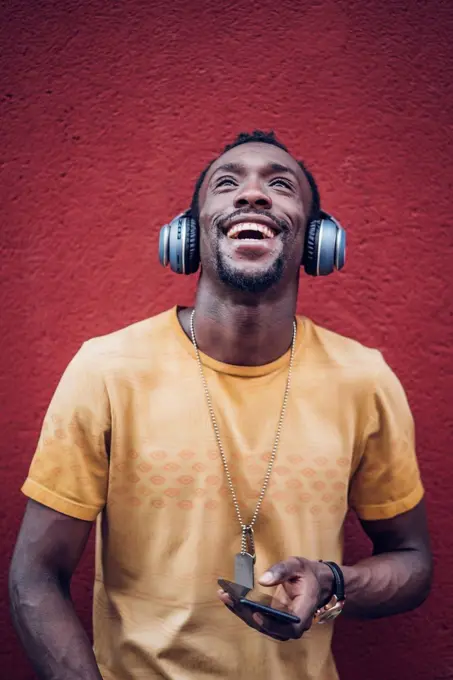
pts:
[281, 572]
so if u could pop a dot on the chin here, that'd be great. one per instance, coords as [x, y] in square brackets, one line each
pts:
[249, 280]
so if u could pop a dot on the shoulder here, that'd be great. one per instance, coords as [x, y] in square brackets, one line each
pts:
[139, 340]
[326, 347]
[347, 363]
[354, 362]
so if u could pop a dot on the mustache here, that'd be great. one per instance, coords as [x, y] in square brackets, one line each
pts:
[222, 222]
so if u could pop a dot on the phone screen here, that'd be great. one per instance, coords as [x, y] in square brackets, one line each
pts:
[260, 602]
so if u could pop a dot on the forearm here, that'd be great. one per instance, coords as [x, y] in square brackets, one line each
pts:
[386, 584]
[50, 631]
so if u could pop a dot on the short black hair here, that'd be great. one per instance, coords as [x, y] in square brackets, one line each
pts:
[263, 138]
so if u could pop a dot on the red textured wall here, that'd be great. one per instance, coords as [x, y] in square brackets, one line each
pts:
[108, 112]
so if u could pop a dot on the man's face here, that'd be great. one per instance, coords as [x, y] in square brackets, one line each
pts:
[254, 204]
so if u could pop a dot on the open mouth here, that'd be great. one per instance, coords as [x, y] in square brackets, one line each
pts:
[250, 230]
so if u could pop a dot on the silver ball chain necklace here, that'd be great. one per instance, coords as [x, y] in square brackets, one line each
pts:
[245, 560]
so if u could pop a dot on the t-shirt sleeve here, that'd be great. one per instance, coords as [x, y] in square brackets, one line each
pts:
[69, 470]
[387, 480]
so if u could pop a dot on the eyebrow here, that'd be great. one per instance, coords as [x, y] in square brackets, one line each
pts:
[277, 167]
[230, 167]
[239, 168]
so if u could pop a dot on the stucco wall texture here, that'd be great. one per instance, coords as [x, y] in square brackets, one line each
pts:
[109, 110]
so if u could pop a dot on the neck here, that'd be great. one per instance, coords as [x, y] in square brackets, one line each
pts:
[242, 329]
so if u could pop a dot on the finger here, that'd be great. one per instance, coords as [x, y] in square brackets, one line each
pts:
[258, 619]
[225, 598]
[287, 598]
[281, 599]
[275, 624]
[252, 619]
[243, 613]
[246, 615]
[281, 572]
[305, 608]
[261, 623]
[269, 627]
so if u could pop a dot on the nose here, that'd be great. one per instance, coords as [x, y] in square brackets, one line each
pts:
[252, 194]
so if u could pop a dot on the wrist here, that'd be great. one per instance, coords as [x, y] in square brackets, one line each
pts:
[326, 582]
[332, 606]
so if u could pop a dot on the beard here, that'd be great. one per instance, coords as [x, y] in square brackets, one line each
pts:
[249, 283]
[246, 282]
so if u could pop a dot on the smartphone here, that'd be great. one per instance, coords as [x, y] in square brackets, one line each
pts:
[258, 601]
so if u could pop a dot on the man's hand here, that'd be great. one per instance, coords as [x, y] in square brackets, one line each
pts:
[395, 579]
[302, 586]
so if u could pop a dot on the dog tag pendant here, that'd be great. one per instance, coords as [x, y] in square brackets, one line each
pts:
[243, 570]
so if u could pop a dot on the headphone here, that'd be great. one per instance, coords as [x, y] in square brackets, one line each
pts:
[324, 252]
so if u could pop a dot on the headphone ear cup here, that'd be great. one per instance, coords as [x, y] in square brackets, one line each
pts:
[310, 256]
[164, 238]
[192, 246]
[179, 244]
[325, 246]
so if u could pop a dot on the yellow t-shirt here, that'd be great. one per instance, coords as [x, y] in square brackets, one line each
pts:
[128, 439]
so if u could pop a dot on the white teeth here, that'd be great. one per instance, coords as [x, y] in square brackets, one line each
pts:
[250, 226]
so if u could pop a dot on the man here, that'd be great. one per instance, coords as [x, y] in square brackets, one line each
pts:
[192, 433]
